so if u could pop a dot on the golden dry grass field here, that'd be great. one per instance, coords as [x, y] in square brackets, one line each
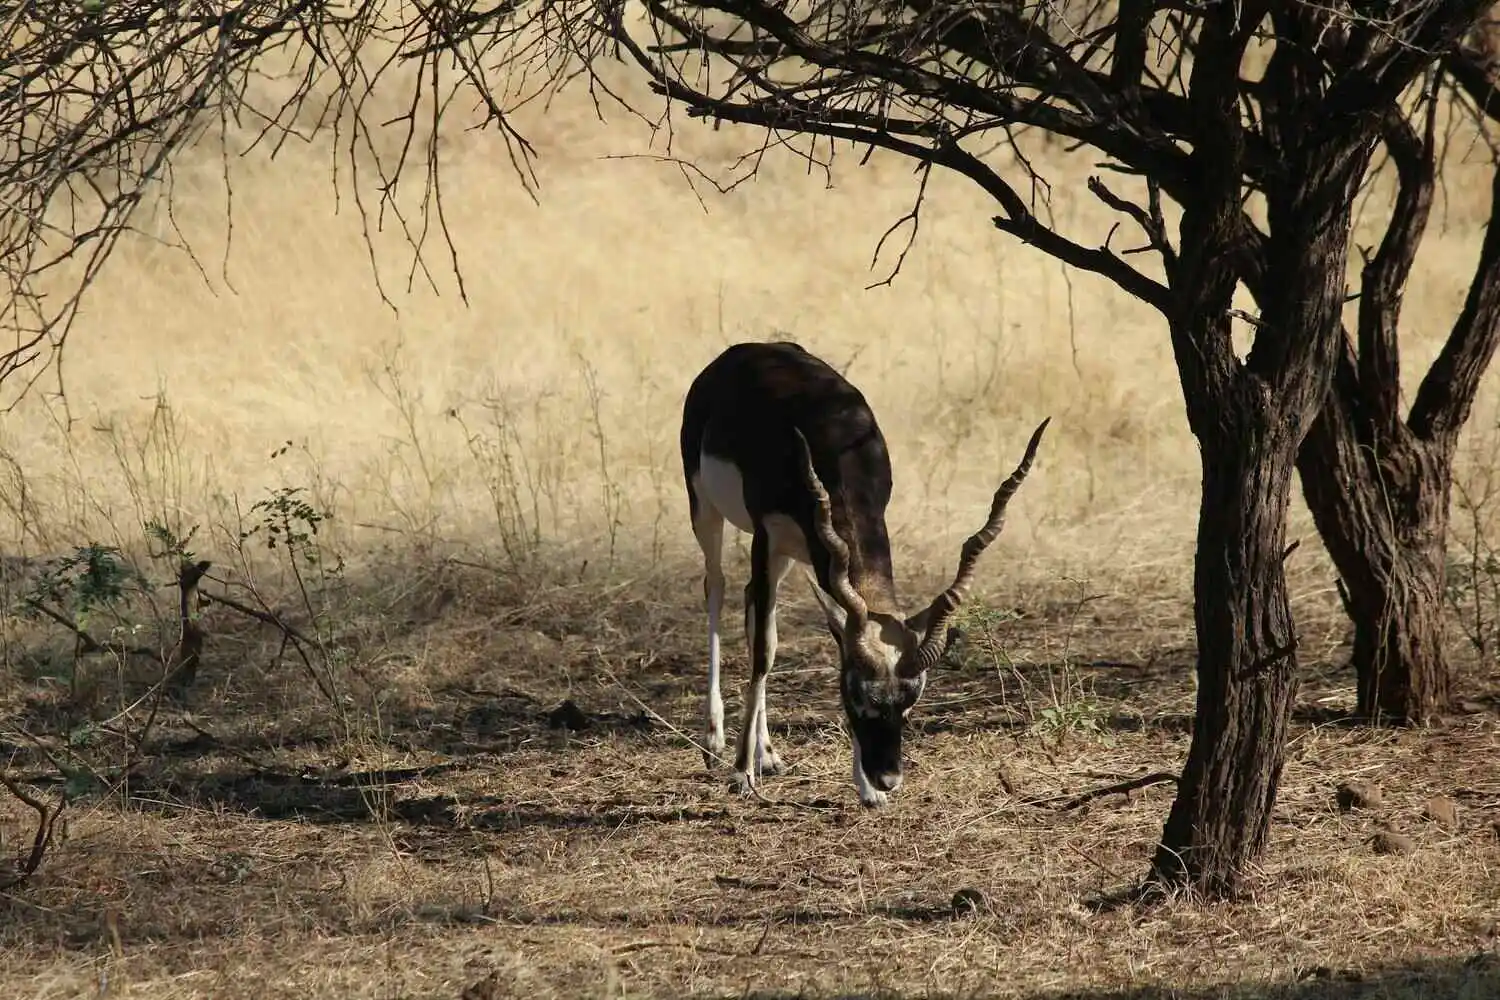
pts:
[497, 794]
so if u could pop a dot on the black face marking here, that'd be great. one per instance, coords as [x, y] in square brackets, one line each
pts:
[876, 707]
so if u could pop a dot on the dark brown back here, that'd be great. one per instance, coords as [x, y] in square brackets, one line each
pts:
[743, 408]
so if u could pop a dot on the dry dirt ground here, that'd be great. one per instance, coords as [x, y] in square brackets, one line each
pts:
[527, 816]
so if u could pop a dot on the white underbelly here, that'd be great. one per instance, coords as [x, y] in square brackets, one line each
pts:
[719, 484]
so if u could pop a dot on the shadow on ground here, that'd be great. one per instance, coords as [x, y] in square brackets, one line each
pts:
[1476, 977]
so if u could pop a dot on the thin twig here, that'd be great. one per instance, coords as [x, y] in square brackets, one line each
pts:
[1065, 803]
[87, 643]
[265, 617]
[755, 792]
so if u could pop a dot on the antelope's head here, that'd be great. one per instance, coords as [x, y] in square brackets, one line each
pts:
[884, 658]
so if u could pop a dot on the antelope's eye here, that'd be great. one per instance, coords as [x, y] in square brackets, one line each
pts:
[857, 698]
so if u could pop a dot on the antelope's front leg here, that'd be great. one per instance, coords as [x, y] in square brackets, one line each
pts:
[748, 754]
[754, 754]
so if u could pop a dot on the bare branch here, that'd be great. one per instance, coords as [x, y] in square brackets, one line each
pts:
[1385, 53]
[933, 141]
[1149, 218]
[86, 643]
[100, 99]
[1471, 71]
[1447, 392]
[1385, 274]
[103, 101]
[1022, 224]
[914, 218]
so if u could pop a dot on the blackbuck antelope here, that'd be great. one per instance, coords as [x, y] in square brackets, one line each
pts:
[788, 451]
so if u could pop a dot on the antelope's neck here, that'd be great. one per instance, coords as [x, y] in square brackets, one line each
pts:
[870, 566]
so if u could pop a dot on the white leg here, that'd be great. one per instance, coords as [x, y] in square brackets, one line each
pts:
[767, 760]
[755, 756]
[747, 752]
[713, 739]
[710, 531]
[869, 795]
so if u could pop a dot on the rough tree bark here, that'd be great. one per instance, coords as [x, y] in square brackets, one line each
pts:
[1379, 486]
[1380, 497]
[1246, 649]
[1378, 494]
[1250, 419]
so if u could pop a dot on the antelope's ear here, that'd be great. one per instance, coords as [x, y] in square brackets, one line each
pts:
[831, 612]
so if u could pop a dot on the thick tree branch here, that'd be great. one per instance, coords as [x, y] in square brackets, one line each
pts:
[1308, 221]
[1022, 224]
[1384, 278]
[938, 147]
[1414, 35]
[1447, 392]
[1139, 126]
[1131, 29]
[1070, 102]
[1019, 220]
[1202, 339]
[1467, 69]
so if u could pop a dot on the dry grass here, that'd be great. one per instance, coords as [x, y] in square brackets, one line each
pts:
[435, 827]
[256, 854]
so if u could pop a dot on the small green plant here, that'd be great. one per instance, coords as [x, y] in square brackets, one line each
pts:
[287, 520]
[91, 578]
[287, 524]
[171, 545]
[72, 591]
[1076, 717]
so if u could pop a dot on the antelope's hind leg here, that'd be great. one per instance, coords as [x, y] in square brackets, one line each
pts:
[708, 526]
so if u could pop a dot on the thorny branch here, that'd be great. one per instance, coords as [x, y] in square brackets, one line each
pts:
[950, 82]
[99, 99]
[104, 97]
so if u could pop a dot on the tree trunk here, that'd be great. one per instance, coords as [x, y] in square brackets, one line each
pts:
[1246, 654]
[1380, 502]
[1379, 486]
[1250, 416]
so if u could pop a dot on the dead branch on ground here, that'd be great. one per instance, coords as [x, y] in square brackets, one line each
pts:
[46, 820]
